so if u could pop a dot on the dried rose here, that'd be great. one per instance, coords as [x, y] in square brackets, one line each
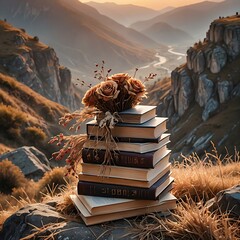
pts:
[107, 90]
[89, 99]
[135, 87]
[120, 78]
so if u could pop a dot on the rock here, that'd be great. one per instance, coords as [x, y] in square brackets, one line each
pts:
[204, 90]
[19, 40]
[218, 59]
[26, 220]
[224, 90]
[210, 108]
[199, 64]
[227, 201]
[31, 161]
[236, 91]
[202, 143]
[182, 88]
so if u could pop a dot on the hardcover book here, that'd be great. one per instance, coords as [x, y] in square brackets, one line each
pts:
[148, 130]
[104, 205]
[124, 181]
[125, 159]
[163, 205]
[130, 147]
[118, 191]
[142, 174]
[138, 114]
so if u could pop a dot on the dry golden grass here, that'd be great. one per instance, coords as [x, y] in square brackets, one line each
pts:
[196, 182]
[201, 179]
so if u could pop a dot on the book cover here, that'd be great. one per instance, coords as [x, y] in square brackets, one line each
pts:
[138, 114]
[104, 205]
[124, 181]
[128, 146]
[144, 174]
[125, 158]
[148, 130]
[162, 206]
[118, 191]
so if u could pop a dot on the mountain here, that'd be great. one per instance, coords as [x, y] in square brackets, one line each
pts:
[36, 65]
[202, 97]
[164, 33]
[194, 18]
[26, 117]
[125, 14]
[78, 33]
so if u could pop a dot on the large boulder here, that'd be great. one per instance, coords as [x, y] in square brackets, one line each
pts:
[224, 90]
[210, 109]
[31, 161]
[204, 90]
[227, 201]
[30, 218]
[218, 59]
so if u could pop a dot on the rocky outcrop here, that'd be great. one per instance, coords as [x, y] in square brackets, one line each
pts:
[227, 201]
[37, 66]
[193, 81]
[209, 79]
[29, 219]
[31, 161]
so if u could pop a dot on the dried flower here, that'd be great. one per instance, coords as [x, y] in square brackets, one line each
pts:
[120, 78]
[107, 90]
[90, 98]
[135, 87]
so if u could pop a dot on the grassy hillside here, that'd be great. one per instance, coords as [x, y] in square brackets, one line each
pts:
[26, 118]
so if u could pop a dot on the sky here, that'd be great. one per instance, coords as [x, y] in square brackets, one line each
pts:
[155, 4]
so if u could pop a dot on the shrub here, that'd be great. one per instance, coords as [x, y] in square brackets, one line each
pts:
[10, 117]
[34, 134]
[10, 177]
[54, 181]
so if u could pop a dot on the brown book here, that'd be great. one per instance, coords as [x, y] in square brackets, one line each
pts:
[166, 203]
[148, 130]
[118, 191]
[123, 158]
[124, 181]
[142, 174]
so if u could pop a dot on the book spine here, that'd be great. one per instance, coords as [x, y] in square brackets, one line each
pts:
[115, 191]
[121, 158]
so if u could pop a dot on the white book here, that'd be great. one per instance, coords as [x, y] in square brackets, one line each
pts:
[163, 205]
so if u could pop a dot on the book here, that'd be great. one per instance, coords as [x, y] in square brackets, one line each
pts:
[128, 139]
[118, 191]
[138, 114]
[148, 130]
[123, 158]
[163, 205]
[144, 174]
[124, 181]
[128, 146]
[104, 205]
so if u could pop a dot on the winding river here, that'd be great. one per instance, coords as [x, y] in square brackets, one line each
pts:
[161, 60]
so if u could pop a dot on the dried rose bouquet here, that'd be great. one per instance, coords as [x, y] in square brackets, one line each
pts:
[113, 94]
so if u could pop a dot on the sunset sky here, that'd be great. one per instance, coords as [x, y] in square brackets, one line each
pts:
[155, 4]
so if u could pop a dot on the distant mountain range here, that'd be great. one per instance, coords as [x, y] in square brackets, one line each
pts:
[193, 19]
[126, 14]
[164, 33]
[79, 34]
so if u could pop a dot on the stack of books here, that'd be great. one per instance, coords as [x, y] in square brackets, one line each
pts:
[138, 181]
